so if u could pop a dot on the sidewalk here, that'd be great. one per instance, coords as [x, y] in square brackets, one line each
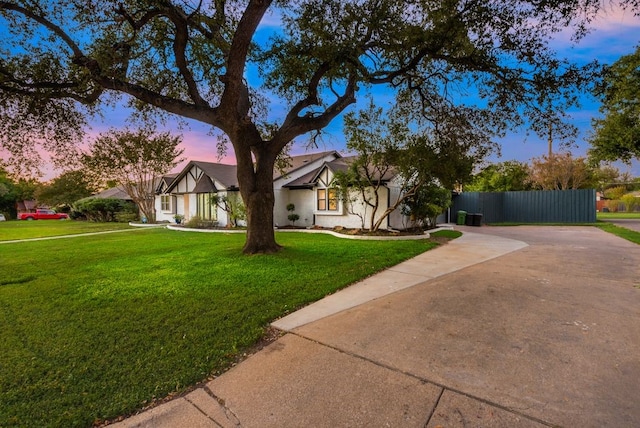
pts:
[523, 326]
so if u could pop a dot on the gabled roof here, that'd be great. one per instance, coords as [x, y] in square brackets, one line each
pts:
[307, 181]
[112, 193]
[222, 173]
[297, 162]
[205, 185]
[227, 175]
[166, 179]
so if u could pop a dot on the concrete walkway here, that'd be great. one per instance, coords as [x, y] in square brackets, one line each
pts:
[521, 326]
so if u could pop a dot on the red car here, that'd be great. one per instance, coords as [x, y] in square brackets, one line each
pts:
[43, 215]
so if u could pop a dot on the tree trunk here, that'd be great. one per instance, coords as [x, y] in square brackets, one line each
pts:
[256, 188]
[260, 233]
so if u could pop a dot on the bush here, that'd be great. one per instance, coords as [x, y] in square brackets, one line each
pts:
[293, 218]
[196, 222]
[631, 203]
[126, 217]
[99, 209]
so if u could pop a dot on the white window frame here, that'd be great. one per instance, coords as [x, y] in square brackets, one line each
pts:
[166, 203]
[327, 201]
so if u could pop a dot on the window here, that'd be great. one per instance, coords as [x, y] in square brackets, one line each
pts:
[206, 207]
[327, 200]
[165, 202]
[322, 199]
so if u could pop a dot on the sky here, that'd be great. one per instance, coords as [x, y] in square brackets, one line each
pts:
[615, 33]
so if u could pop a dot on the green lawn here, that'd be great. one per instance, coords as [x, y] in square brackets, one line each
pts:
[22, 229]
[96, 327]
[622, 232]
[604, 216]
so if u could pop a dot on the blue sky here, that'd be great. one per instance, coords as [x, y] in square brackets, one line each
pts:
[615, 33]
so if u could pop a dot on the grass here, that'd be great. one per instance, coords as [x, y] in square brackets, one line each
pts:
[449, 234]
[618, 215]
[97, 327]
[622, 232]
[10, 230]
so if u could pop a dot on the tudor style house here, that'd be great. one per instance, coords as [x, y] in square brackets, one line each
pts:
[306, 183]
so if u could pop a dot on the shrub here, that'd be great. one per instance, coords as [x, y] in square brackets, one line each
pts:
[615, 192]
[630, 202]
[293, 218]
[99, 209]
[613, 205]
[196, 222]
[126, 217]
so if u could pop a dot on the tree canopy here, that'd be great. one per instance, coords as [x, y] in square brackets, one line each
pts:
[561, 172]
[63, 60]
[65, 189]
[416, 161]
[134, 160]
[617, 135]
[505, 176]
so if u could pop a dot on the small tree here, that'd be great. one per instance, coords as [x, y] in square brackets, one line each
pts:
[424, 207]
[293, 217]
[561, 172]
[232, 205]
[386, 149]
[501, 177]
[134, 160]
[631, 202]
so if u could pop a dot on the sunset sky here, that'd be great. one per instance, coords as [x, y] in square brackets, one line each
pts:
[615, 33]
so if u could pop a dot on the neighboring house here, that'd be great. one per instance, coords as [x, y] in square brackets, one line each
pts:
[26, 206]
[306, 183]
[112, 193]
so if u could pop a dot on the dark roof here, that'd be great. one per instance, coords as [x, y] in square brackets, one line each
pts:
[307, 181]
[112, 193]
[223, 173]
[167, 179]
[205, 185]
[297, 162]
[227, 174]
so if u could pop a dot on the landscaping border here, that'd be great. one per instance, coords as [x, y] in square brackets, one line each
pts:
[426, 235]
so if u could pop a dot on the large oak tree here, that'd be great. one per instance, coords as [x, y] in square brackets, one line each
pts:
[617, 135]
[60, 60]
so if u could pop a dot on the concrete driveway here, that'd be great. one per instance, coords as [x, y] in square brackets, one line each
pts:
[547, 335]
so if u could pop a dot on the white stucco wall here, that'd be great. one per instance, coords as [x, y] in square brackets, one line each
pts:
[303, 199]
[345, 219]
[164, 215]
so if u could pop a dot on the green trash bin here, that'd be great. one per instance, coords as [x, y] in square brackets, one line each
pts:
[462, 217]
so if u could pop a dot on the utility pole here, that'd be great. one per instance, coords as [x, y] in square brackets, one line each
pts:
[550, 140]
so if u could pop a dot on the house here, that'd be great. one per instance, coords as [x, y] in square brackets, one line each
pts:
[117, 192]
[321, 201]
[192, 191]
[27, 206]
[306, 183]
